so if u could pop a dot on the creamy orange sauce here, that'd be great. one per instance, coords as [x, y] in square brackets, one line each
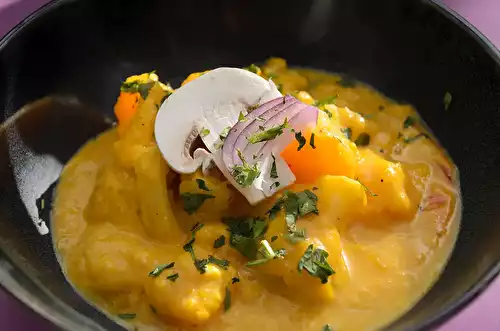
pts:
[118, 215]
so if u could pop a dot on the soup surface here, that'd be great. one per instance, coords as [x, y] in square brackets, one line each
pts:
[377, 207]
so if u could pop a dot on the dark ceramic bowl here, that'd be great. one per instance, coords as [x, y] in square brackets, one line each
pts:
[79, 51]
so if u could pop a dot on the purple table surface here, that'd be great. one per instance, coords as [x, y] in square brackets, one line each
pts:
[482, 314]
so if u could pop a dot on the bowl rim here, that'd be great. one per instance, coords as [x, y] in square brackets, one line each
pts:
[440, 318]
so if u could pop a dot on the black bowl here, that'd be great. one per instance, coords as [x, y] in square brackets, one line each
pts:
[79, 51]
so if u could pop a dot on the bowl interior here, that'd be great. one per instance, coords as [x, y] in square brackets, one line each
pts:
[79, 51]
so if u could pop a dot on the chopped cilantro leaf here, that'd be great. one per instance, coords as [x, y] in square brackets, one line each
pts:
[363, 139]
[274, 171]
[252, 108]
[409, 121]
[204, 132]
[300, 139]
[245, 174]
[200, 264]
[137, 87]
[327, 327]
[245, 234]
[253, 68]
[274, 238]
[193, 201]
[311, 141]
[159, 269]
[219, 242]
[314, 261]
[224, 133]
[269, 134]
[235, 280]
[267, 253]
[173, 277]
[329, 113]
[347, 132]
[241, 117]
[202, 185]
[279, 87]
[227, 299]
[218, 262]
[127, 316]
[327, 101]
[447, 100]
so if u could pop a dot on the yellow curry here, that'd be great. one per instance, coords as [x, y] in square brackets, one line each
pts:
[376, 200]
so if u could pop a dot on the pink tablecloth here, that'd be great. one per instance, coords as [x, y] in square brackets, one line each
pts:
[482, 315]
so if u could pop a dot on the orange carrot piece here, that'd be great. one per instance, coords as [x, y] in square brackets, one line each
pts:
[125, 108]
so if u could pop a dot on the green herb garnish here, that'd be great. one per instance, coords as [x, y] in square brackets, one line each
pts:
[366, 188]
[202, 185]
[218, 262]
[252, 108]
[409, 121]
[245, 174]
[347, 132]
[235, 280]
[275, 184]
[241, 117]
[127, 316]
[314, 261]
[159, 269]
[274, 170]
[327, 327]
[447, 100]
[267, 253]
[327, 101]
[137, 87]
[219, 242]
[363, 139]
[204, 132]
[245, 233]
[279, 87]
[200, 264]
[269, 134]
[300, 139]
[311, 141]
[274, 238]
[253, 68]
[173, 277]
[193, 201]
[409, 140]
[224, 133]
[227, 299]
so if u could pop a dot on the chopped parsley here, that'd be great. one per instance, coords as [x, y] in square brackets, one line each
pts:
[327, 327]
[260, 118]
[409, 121]
[274, 171]
[173, 277]
[241, 117]
[200, 264]
[137, 87]
[363, 139]
[127, 316]
[327, 101]
[252, 108]
[275, 184]
[159, 269]
[347, 132]
[267, 253]
[269, 134]
[204, 132]
[300, 139]
[219, 242]
[235, 280]
[202, 185]
[447, 100]
[224, 133]
[274, 238]
[193, 201]
[227, 299]
[279, 87]
[409, 140]
[253, 68]
[295, 205]
[329, 113]
[311, 141]
[218, 262]
[314, 261]
[245, 233]
[245, 174]
[366, 188]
